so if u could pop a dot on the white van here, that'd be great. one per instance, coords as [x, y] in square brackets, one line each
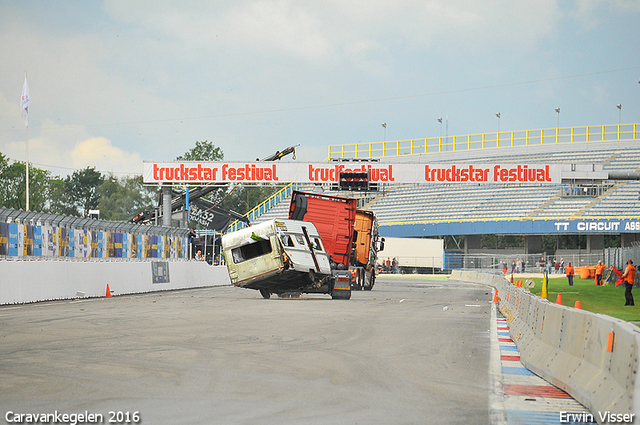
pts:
[279, 256]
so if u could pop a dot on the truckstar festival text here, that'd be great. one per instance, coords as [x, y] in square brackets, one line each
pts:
[286, 172]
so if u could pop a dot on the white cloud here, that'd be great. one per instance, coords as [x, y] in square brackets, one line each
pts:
[10, 119]
[278, 26]
[588, 13]
[319, 30]
[130, 72]
[63, 150]
[100, 153]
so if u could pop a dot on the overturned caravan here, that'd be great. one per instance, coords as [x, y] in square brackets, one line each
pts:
[280, 257]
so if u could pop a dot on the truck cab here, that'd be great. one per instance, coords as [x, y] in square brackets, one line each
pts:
[350, 235]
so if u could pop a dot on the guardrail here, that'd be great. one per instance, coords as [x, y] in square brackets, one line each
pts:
[265, 206]
[593, 357]
[594, 133]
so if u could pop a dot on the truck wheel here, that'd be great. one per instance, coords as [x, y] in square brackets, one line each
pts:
[265, 294]
[371, 282]
[340, 295]
[358, 283]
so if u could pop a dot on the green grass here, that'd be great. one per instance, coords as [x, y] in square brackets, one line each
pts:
[598, 299]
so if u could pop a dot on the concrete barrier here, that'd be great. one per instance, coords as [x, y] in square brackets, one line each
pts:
[31, 281]
[570, 348]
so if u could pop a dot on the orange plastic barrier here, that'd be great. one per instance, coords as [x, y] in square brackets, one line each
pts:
[585, 272]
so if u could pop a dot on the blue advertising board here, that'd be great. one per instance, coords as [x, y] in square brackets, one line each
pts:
[101, 244]
[14, 239]
[37, 240]
[72, 243]
[513, 227]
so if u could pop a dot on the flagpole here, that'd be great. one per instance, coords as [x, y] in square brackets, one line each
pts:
[25, 101]
[27, 180]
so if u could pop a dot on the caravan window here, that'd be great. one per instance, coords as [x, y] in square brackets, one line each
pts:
[287, 240]
[252, 250]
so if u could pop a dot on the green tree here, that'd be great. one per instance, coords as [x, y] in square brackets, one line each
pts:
[502, 241]
[122, 199]
[38, 189]
[203, 151]
[82, 189]
[13, 187]
[59, 202]
[244, 197]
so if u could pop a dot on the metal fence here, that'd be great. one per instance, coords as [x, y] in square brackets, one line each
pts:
[618, 257]
[53, 236]
[520, 263]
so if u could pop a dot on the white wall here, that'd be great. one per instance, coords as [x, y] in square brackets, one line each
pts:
[414, 252]
[24, 281]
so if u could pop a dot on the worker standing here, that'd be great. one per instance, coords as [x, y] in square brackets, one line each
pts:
[569, 272]
[629, 276]
[599, 268]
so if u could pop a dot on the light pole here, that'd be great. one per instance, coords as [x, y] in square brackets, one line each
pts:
[440, 121]
[558, 112]
[498, 115]
[619, 106]
[384, 125]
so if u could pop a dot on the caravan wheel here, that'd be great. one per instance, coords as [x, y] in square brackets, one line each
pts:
[265, 294]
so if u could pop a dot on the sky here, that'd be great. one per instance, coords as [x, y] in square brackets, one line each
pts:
[115, 82]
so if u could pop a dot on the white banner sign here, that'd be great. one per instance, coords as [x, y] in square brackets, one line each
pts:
[287, 172]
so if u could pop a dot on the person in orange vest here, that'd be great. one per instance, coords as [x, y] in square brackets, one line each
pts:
[629, 277]
[599, 268]
[569, 272]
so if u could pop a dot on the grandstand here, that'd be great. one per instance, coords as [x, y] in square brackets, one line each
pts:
[522, 201]
[427, 210]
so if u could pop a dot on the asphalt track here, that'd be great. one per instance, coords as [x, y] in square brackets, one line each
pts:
[411, 351]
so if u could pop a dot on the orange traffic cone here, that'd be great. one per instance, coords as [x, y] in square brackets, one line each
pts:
[578, 305]
[511, 277]
[559, 299]
[108, 292]
[495, 297]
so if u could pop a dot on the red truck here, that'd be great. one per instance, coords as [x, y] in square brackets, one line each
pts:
[350, 235]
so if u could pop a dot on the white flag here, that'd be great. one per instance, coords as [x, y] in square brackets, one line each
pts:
[25, 101]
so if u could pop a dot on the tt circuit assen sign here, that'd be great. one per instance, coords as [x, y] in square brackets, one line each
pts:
[597, 226]
[286, 172]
